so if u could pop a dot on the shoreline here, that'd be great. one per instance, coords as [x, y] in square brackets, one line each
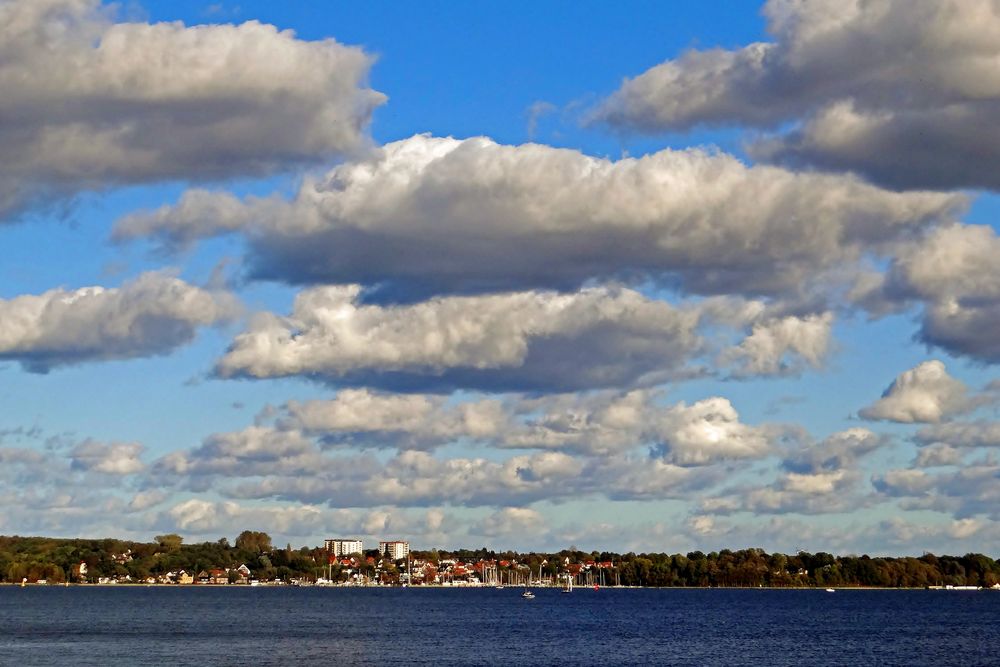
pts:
[534, 588]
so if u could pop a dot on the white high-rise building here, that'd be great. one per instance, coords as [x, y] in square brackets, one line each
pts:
[343, 547]
[395, 550]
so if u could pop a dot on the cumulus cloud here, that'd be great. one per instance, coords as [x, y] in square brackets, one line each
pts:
[603, 423]
[255, 450]
[937, 454]
[89, 102]
[836, 452]
[953, 272]
[519, 522]
[597, 337]
[936, 537]
[961, 434]
[151, 315]
[782, 346]
[279, 464]
[144, 500]
[708, 431]
[896, 89]
[965, 492]
[925, 394]
[362, 417]
[205, 517]
[794, 493]
[599, 423]
[112, 458]
[66, 490]
[818, 478]
[415, 478]
[431, 215]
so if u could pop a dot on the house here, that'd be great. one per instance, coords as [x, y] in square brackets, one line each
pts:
[242, 574]
[218, 576]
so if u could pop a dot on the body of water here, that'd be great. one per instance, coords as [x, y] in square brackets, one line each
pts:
[343, 626]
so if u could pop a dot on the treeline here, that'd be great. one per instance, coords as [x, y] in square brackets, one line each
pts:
[58, 560]
[755, 567]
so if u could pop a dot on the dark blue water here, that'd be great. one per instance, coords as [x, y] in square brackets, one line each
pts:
[321, 626]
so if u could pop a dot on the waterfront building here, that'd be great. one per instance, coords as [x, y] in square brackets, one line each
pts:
[395, 550]
[340, 547]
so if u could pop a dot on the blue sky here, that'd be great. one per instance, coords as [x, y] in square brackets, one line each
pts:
[663, 276]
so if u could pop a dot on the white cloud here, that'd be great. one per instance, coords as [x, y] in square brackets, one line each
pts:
[154, 314]
[782, 346]
[926, 393]
[911, 536]
[112, 458]
[528, 340]
[90, 103]
[836, 452]
[961, 434]
[256, 450]
[968, 491]
[702, 525]
[896, 89]
[267, 463]
[600, 423]
[708, 431]
[954, 273]
[793, 493]
[905, 482]
[433, 215]
[596, 424]
[144, 500]
[518, 522]
[938, 454]
[818, 478]
[201, 517]
[362, 417]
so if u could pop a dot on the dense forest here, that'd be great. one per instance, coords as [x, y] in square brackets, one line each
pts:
[59, 560]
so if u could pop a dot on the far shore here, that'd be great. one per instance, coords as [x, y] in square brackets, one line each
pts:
[519, 587]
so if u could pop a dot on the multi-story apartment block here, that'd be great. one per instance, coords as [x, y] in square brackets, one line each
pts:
[395, 550]
[343, 547]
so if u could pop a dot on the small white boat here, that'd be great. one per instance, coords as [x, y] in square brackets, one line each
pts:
[528, 595]
[830, 590]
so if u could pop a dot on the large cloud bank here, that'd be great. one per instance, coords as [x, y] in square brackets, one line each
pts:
[524, 340]
[431, 215]
[91, 103]
[153, 314]
[905, 91]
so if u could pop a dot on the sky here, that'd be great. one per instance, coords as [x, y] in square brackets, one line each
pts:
[662, 276]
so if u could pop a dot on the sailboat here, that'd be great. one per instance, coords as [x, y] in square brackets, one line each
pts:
[527, 594]
[568, 586]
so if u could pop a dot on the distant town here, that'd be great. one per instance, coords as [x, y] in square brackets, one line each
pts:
[252, 560]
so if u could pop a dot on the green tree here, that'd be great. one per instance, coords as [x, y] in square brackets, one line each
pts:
[169, 542]
[254, 541]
